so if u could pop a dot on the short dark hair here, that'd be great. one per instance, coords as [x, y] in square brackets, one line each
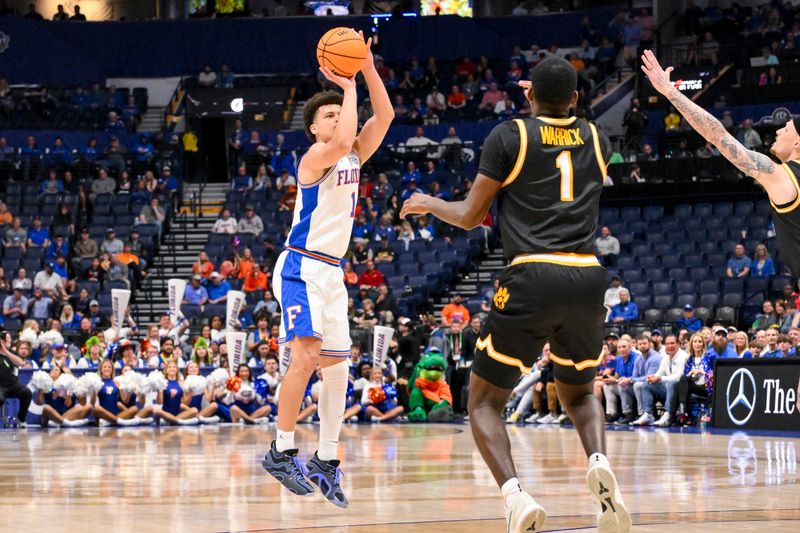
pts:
[313, 105]
[554, 81]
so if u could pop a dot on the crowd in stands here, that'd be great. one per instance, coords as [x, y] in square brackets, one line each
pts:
[109, 109]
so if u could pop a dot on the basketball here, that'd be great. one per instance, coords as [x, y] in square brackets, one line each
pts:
[342, 50]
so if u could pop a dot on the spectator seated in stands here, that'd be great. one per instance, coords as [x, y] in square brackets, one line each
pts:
[38, 236]
[153, 213]
[50, 282]
[39, 305]
[242, 182]
[386, 306]
[362, 230]
[384, 254]
[698, 374]
[15, 305]
[425, 229]
[268, 305]
[225, 224]
[663, 384]
[739, 264]
[620, 385]
[625, 310]
[288, 199]
[720, 349]
[384, 229]
[203, 266]
[144, 151]
[16, 236]
[748, 136]
[607, 247]
[766, 319]
[455, 311]
[218, 288]
[419, 146]
[411, 173]
[195, 293]
[226, 79]
[255, 279]
[370, 278]
[688, 321]
[762, 265]
[207, 78]
[22, 281]
[250, 222]
[52, 185]
[111, 244]
[647, 364]
[611, 297]
[785, 346]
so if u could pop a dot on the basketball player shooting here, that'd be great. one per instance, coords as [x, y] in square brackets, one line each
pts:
[308, 279]
[547, 173]
[780, 181]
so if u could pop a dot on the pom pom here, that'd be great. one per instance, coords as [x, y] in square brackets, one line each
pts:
[91, 383]
[142, 384]
[194, 385]
[261, 387]
[157, 381]
[377, 395]
[28, 335]
[51, 337]
[218, 377]
[233, 384]
[128, 382]
[41, 381]
[65, 384]
[80, 389]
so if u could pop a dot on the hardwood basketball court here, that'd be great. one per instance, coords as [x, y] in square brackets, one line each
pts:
[408, 478]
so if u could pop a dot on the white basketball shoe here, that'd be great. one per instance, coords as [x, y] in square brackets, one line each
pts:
[612, 515]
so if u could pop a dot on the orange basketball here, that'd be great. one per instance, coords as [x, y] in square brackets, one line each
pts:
[343, 51]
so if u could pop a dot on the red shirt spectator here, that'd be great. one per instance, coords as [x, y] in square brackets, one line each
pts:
[371, 278]
[466, 67]
[364, 187]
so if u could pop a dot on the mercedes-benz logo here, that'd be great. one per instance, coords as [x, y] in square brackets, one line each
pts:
[744, 395]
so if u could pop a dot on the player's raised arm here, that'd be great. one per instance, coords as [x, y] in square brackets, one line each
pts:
[375, 128]
[771, 176]
[329, 147]
[466, 214]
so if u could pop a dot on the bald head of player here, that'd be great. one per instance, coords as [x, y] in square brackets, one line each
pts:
[553, 89]
[787, 141]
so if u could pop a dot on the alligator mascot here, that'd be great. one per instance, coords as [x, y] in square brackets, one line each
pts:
[430, 399]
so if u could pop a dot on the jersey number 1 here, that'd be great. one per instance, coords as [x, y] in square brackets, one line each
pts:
[564, 164]
[353, 210]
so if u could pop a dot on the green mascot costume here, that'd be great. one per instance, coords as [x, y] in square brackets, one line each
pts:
[430, 399]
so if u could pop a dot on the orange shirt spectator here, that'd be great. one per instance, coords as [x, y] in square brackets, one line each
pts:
[127, 258]
[226, 269]
[454, 310]
[245, 267]
[255, 281]
[203, 267]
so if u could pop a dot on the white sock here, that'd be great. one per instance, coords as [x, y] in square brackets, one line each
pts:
[510, 488]
[330, 408]
[596, 458]
[284, 441]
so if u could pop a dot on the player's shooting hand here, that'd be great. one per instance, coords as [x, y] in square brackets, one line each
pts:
[657, 75]
[527, 87]
[416, 205]
[341, 81]
[369, 61]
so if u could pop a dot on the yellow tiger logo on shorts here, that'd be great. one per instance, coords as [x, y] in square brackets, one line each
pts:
[501, 297]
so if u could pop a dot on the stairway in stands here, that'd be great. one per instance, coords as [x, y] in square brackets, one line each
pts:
[469, 285]
[188, 237]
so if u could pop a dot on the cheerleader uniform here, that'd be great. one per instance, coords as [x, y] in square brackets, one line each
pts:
[58, 403]
[248, 407]
[197, 402]
[173, 395]
[108, 396]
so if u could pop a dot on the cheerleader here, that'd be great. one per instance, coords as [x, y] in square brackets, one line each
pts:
[379, 399]
[93, 357]
[110, 402]
[273, 379]
[135, 399]
[63, 409]
[207, 414]
[247, 406]
[173, 409]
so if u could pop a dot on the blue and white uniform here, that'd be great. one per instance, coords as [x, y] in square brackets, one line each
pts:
[308, 279]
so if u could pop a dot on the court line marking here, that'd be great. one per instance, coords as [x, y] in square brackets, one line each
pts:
[494, 519]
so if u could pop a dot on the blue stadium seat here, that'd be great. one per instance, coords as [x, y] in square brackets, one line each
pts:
[744, 208]
[722, 209]
[388, 269]
[684, 247]
[677, 274]
[32, 265]
[640, 226]
[779, 282]
[648, 261]
[608, 215]
[756, 285]
[653, 212]
[736, 222]
[396, 282]
[655, 238]
[421, 281]
[685, 299]
[633, 275]
[211, 310]
[702, 210]
[732, 298]
[693, 260]
[418, 245]
[439, 245]
[643, 301]
[404, 258]
[670, 261]
[654, 274]
[694, 223]
[638, 288]
[191, 312]
[682, 211]
[630, 213]
[710, 299]
[708, 286]
[91, 286]
[626, 263]
[671, 223]
[662, 287]
[652, 315]
[409, 269]
[733, 285]
[640, 250]
[663, 249]
[12, 252]
[716, 259]
[675, 237]
[684, 287]
[663, 301]
[35, 252]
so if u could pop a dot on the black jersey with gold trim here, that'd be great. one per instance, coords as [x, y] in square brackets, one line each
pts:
[552, 171]
[787, 223]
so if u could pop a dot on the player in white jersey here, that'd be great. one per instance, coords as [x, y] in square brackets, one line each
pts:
[309, 282]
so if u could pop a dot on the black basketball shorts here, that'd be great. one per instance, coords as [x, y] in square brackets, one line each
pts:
[555, 298]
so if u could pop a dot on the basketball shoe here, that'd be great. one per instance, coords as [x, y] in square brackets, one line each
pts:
[523, 513]
[612, 515]
[327, 476]
[286, 468]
